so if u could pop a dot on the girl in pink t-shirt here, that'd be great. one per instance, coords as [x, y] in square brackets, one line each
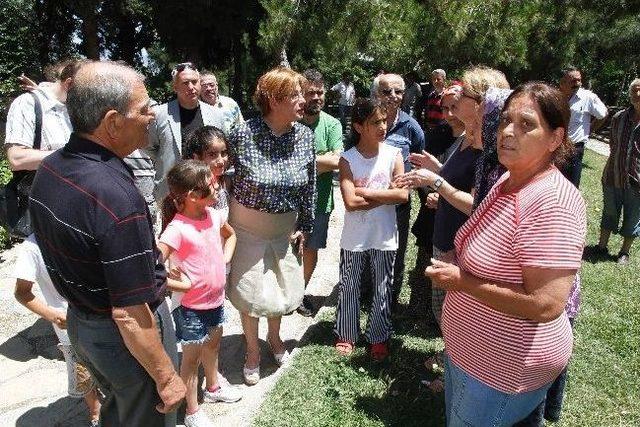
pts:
[192, 238]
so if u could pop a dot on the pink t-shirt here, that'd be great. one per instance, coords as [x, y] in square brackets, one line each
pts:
[197, 246]
[542, 225]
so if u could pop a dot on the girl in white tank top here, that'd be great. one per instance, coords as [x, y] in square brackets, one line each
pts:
[369, 236]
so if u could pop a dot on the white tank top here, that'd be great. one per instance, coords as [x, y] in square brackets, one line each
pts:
[374, 228]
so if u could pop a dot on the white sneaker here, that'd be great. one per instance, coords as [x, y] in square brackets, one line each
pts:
[198, 419]
[251, 375]
[224, 393]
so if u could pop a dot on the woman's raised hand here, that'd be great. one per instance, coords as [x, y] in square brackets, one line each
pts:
[425, 160]
[416, 178]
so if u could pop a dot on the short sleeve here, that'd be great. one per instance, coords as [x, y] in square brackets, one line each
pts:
[21, 121]
[417, 142]
[551, 237]
[172, 236]
[334, 142]
[26, 267]
[128, 256]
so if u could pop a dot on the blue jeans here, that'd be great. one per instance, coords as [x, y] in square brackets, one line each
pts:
[573, 168]
[469, 402]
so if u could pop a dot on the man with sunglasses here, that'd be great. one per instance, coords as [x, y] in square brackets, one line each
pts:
[176, 120]
[405, 133]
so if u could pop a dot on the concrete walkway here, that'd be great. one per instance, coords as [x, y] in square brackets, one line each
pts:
[33, 379]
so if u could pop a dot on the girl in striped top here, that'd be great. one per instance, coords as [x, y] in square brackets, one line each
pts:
[507, 336]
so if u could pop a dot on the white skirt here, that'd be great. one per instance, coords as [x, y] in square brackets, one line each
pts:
[266, 278]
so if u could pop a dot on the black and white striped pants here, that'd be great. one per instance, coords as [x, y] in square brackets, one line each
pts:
[352, 264]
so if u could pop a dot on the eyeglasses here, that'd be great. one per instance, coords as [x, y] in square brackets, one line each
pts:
[181, 67]
[296, 95]
[388, 92]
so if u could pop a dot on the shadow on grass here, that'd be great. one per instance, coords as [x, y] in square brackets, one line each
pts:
[402, 400]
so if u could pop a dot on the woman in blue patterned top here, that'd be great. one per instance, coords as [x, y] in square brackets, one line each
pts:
[272, 208]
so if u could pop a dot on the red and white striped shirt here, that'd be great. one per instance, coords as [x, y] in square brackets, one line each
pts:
[542, 225]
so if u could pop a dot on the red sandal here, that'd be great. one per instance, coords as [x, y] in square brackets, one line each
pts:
[379, 351]
[344, 348]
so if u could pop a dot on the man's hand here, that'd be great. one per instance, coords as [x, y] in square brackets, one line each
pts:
[137, 326]
[26, 83]
[172, 392]
[58, 318]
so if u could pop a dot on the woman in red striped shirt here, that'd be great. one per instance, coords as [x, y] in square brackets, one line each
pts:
[506, 334]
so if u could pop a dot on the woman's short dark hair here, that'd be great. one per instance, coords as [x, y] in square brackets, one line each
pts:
[555, 112]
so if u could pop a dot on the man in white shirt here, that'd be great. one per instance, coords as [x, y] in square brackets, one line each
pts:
[56, 127]
[347, 97]
[210, 93]
[587, 113]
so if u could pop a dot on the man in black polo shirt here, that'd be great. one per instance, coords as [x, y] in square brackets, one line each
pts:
[95, 234]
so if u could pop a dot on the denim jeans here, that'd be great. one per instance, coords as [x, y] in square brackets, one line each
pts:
[573, 168]
[131, 395]
[469, 402]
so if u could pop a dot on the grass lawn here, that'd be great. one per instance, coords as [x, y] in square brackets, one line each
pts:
[322, 389]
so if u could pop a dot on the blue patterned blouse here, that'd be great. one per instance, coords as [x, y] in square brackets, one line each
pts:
[275, 174]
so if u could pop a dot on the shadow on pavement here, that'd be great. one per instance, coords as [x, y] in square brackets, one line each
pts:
[67, 411]
[35, 341]
[231, 358]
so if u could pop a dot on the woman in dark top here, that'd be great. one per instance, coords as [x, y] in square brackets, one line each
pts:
[271, 210]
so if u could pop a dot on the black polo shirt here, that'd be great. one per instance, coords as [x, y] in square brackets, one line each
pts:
[94, 230]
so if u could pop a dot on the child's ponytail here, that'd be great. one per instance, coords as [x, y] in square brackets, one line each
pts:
[185, 176]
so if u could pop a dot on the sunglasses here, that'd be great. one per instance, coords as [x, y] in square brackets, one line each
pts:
[181, 67]
[388, 92]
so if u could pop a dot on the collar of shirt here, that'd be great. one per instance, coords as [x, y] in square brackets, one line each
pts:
[401, 119]
[47, 98]
[265, 128]
[580, 94]
[96, 152]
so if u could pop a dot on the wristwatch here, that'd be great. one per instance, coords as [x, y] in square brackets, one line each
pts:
[437, 183]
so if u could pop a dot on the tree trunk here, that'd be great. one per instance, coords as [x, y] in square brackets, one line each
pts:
[87, 10]
[236, 85]
[284, 61]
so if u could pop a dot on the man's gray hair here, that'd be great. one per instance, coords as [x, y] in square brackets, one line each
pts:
[98, 88]
[440, 72]
[635, 82]
[386, 77]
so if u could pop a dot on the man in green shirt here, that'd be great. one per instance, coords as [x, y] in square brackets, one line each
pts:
[328, 136]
